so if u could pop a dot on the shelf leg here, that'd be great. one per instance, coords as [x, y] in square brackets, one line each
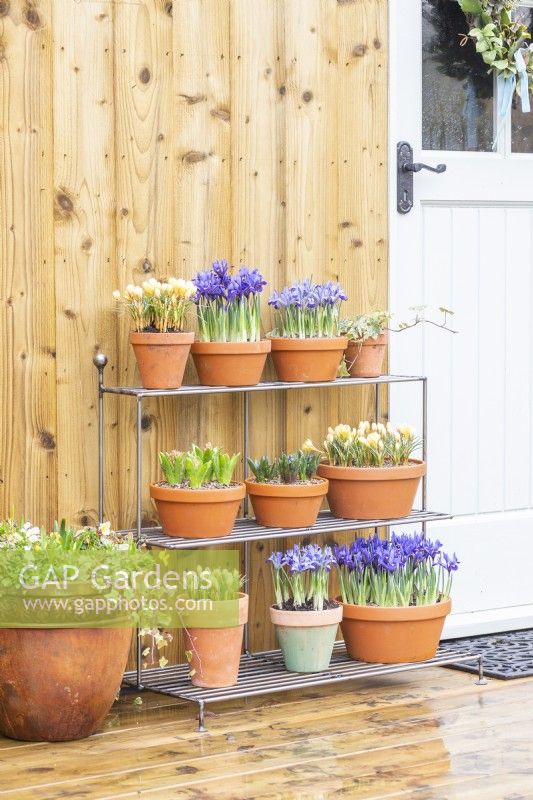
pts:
[246, 453]
[138, 660]
[201, 717]
[139, 466]
[424, 445]
[377, 414]
[481, 680]
[100, 361]
[245, 443]
[138, 441]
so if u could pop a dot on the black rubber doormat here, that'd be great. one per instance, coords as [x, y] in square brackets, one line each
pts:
[505, 655]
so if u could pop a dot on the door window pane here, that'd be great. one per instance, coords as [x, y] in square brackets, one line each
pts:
[522, 124]
[457, 92]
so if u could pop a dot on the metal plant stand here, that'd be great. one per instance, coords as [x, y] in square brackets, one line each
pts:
[261, 673]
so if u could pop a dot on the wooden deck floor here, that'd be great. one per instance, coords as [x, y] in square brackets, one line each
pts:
[427, 735]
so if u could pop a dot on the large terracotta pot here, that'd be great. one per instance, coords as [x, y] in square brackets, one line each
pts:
[382, 635]
[285, 505]
[215, 652]
[306, 638]
[197, 513]
[161, 358]
[307, 360]
[372, 492]
[365, 359]
[230, 363]
[59, 684]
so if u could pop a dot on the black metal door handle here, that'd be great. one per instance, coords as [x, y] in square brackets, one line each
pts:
[405, 169]
[417, 167]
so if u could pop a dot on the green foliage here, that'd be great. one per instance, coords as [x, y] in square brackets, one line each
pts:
[263, 469]
[215, 584]
[22, 544]
[288, 468]
[198, 467]
[371, 325]
[288, 464]
[173, 467]
[365, 326]
[497, 35]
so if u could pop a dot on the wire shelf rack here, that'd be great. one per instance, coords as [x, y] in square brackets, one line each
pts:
[261, 673]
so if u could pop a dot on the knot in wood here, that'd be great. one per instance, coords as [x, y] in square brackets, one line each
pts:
[145, 75]
[359, 50]
[47, 440]
[32, 17]
[194, 156]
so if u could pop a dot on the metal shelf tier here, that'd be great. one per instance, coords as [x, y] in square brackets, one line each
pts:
[247, 530]
[266, 386]
[264, 673]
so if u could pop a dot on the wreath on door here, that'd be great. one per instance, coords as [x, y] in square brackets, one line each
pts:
[502, 43]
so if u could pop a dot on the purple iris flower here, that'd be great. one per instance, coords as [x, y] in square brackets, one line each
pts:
[450, 563]
[218, 283]
[305, 294]
[276, 559]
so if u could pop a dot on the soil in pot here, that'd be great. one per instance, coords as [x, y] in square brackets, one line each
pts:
[161, 358]
[286, 505]
[372, 492]
[59, 684]
[197, 513]
[215, 652]
[365, 359]
[380, 635]
[230, 363]
[306, 637]
[307, 360]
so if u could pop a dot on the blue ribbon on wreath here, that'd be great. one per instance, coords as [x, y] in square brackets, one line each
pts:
[507, 86]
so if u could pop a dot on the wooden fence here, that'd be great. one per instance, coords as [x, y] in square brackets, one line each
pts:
[147, 138]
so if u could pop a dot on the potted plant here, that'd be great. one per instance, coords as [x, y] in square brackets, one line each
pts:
[58, 683]
[197, 497]
[229, 350]
[213, 633]
[161, 346]
[285, 492]
[367, 336]
[306, 341]
[395, 596]
[367, 342]
[370, 469]
[305, 618]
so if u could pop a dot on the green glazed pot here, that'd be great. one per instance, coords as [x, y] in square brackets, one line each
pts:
[306, 638]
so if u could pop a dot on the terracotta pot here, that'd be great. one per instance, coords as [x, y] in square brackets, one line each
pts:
[161, 358]
[197, 513]
[216, 652]
[282, 505]
[306, 638]
[230, 363]
[393, 635]
[365, 359]
[307, 360]
[372, 492]
[59, 684]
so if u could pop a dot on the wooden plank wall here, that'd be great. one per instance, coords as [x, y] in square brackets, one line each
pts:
[147, 138]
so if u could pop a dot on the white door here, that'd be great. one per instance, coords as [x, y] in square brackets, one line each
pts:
[467, 244]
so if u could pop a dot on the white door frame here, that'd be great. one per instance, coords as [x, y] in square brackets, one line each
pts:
[464, 624]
